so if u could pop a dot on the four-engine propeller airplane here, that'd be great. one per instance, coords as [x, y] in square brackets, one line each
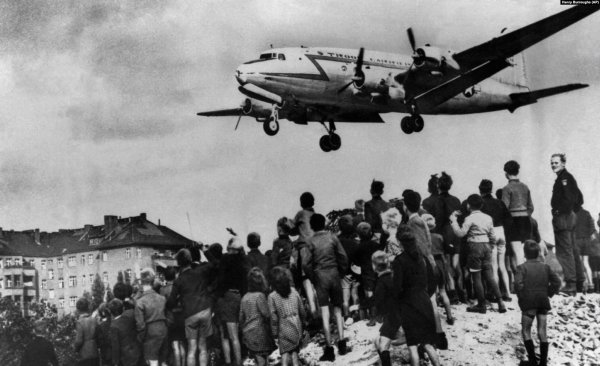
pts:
[343, 85]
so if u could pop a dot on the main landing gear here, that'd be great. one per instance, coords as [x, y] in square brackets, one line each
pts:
[332, 141]
[271, 125]
[413, 123]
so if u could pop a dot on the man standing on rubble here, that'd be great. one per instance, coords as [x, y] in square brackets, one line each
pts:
[565, 197]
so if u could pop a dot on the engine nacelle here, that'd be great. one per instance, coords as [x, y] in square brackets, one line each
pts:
[434, 58]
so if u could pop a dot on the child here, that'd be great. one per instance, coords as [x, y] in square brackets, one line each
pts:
[254, 317]
[150, 318]
[125, 348]
[437, 249]
[386, 306]
[534, 283]
[287, 316]
[362, 257]
[479, 230]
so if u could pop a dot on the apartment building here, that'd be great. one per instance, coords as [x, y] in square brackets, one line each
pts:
[58, 267]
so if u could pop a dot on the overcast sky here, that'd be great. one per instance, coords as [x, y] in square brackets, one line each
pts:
[98, 103]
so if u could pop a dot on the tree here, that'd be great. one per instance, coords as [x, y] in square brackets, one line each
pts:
[97, 293]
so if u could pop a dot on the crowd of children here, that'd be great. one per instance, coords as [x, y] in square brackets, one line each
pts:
[443, 251]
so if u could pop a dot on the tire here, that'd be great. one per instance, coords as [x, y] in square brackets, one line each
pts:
[335, 141]
[418, 123]
[324, 143]
[271, 126]
[406, 125]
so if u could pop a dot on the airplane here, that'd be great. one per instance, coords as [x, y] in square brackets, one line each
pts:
[320, 84]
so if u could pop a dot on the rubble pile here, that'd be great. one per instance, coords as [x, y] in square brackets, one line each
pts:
[490, 339]
[574, 330]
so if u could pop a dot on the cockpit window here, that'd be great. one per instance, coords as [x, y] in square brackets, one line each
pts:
[268, 56]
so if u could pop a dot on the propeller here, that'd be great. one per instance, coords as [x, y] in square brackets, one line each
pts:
[245, 109]
[359, 76]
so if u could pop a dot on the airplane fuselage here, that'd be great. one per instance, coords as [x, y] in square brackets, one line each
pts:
[315, 75]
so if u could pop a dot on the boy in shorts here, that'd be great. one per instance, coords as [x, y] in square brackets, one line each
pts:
[479, 230]
[386, 305]
[534, 283]
[324, 262]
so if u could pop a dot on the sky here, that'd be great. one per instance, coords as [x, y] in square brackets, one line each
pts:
[98, 104]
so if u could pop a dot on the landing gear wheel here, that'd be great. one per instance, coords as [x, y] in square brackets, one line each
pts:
[406, 125]
[335, 141]
[325, 143]
[271, 126]
[417, 123]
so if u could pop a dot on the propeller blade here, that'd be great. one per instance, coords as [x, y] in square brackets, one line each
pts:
[345, 87]
[359, 61]
[411, 38]
[238, 121]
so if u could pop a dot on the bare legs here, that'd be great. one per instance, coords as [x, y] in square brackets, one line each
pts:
[233, 333]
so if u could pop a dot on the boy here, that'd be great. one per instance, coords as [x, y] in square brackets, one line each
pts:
[479, 230]
[386, 305]
[534, 283]
[324, 262]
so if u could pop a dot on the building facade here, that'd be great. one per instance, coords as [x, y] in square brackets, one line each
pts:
[59, 267]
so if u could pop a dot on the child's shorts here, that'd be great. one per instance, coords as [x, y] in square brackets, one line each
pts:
[479, 257]
[531, 313]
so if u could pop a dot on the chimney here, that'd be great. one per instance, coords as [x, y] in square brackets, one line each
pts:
[36, 235]
[110, 223]
[143, 216]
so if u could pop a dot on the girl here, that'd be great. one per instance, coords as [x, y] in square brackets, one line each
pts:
[287, 316]
[254, 317]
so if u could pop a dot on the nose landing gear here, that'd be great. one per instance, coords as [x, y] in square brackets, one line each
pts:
[271, 125]
[332, 141]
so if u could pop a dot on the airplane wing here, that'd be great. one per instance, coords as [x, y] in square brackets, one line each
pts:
[221, 112]
[488, 58]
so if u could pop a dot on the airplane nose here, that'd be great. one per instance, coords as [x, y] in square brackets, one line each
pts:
[241, 76]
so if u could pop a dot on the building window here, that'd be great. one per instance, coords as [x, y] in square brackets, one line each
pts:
[72, 261]
[49, 263]
[44, 285]
[104, 256]
[61, 303]
[59, 263]
[72, 281]
[18, 262]
[128, 253]
[72, 301]
[83, 280]
[105, 277]
[90, 259]
[43, 265]
[61, 283]
[51, 294]
[95, 241]
[83, 259]
[17, 281]
[50, 274]
[139, 253]
[8, 283]
[91, 277]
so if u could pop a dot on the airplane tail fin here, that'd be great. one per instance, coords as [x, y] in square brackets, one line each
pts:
[521, 99]
[516, 74]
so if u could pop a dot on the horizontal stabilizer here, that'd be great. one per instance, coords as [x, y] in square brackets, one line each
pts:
[521, 99]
